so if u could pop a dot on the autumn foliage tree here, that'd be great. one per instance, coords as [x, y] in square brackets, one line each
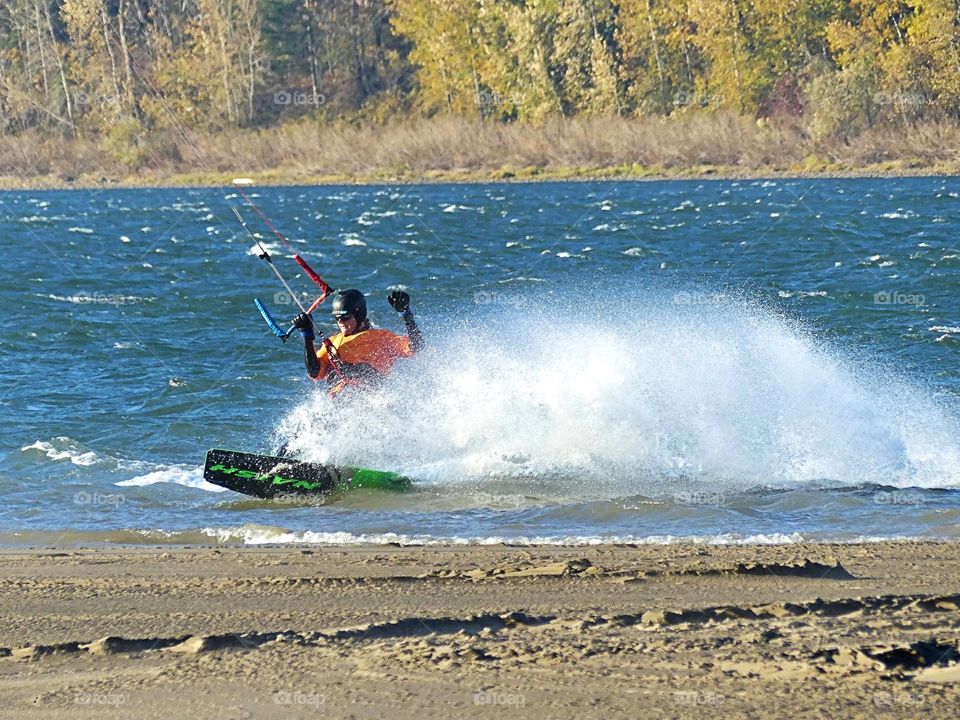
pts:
[130, 70]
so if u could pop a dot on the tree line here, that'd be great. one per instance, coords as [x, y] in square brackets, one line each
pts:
[119, 68]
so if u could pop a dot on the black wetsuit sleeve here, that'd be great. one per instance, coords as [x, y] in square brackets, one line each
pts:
[310, 358]
[413, 332]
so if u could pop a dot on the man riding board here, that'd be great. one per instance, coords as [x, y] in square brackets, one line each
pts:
[359, 355]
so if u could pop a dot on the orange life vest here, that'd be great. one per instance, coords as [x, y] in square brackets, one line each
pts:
[365, 357]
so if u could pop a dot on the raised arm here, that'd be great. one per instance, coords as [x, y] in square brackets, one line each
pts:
[400, 301]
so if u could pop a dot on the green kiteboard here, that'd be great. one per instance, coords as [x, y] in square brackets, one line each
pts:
[266, 476]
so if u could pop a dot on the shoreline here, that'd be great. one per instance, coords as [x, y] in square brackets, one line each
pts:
[194, 540]
[292, 178]
[688, 631]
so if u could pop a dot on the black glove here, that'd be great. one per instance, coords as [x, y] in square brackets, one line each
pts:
[399, 301]
[304, 323]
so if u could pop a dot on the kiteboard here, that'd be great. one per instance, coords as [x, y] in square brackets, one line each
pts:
[267, 476]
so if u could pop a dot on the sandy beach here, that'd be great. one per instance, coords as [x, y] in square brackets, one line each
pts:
[788, 631]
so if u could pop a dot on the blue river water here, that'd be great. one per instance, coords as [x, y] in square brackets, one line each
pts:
[721, 361]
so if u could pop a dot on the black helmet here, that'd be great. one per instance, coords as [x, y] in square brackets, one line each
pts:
[349, 302]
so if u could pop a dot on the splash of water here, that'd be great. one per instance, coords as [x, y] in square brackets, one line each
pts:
[583, 401]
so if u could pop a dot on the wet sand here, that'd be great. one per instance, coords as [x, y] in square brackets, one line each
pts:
[681, 631]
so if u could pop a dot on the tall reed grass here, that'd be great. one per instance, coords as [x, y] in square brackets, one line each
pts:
[441, 146]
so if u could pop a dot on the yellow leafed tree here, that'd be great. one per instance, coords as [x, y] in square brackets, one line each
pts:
[447, 51]
[935, 36]
[224, 61]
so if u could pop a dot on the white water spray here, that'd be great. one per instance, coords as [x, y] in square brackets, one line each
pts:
[590, 403]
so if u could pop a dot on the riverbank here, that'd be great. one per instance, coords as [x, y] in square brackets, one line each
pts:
[784, 631]
[509, 175]
[459, 150]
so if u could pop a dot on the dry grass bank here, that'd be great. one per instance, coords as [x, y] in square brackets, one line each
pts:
[455, 148]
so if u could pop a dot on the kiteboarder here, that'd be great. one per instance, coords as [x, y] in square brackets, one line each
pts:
[359, 356]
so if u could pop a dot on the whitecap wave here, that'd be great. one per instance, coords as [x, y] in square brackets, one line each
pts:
[64, 448]
[176, 474]
[269, 535]
[271, 248]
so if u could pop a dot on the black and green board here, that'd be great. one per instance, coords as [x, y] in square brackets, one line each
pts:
[266, 476]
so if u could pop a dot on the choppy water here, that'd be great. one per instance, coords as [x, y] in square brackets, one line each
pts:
[726, 361]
